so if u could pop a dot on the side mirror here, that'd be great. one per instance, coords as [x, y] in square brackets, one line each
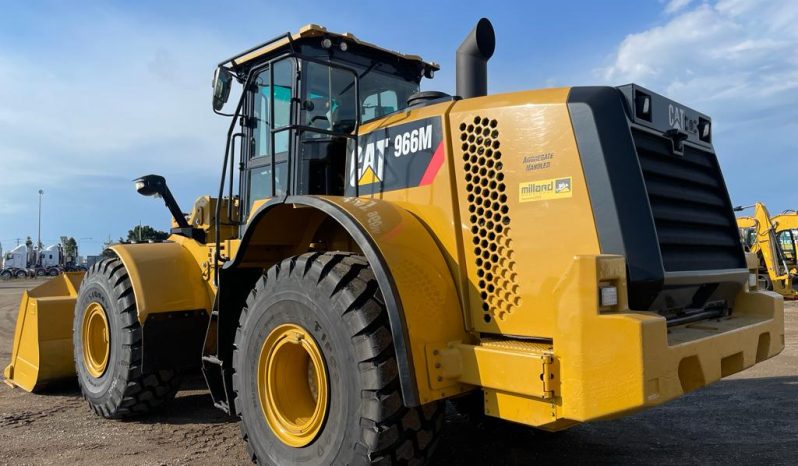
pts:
[150, 185]
[155, 185]
[222, 80]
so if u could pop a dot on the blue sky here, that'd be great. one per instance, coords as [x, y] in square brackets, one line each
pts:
[92, 96]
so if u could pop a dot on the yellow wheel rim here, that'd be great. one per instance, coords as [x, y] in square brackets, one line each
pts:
[95, 337]
[292, 385]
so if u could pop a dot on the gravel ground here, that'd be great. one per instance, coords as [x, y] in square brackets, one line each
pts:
[751, 417]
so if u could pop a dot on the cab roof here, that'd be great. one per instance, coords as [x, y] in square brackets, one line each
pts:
[313, 31]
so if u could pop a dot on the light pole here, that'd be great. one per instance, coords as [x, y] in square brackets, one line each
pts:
[41, 192]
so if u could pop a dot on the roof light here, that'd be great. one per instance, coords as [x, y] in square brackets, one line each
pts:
[643, 105]
[704, 130]
[326, 43]
[344, 46]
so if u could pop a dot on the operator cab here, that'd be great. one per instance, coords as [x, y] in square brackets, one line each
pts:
[304, 97]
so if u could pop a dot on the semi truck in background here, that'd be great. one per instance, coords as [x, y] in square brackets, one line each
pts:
[54, 260]
[25, 261]
[15, 263]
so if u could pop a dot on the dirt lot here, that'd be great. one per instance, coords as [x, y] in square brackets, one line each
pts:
[751, 418]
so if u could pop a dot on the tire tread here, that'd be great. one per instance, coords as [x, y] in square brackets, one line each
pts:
[391, 433]
[142, 391]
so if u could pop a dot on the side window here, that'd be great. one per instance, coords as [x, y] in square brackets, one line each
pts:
[281, 94]
[269, 100]
[749, 237]
[379, 104]
[787, 244]
[260, 181]
[263, 94]
[260, 114]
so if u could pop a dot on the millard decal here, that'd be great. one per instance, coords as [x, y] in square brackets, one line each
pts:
[543, 190]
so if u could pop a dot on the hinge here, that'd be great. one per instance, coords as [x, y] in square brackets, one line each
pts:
[547, 376]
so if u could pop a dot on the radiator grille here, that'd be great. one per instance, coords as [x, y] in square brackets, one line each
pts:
[695, 225]
[489, 218]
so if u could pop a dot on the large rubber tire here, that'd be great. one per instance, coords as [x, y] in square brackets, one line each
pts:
[21, 274]
[123, 389]
[5, 275]
[335, 297]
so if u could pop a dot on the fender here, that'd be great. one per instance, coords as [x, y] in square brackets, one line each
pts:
[173, 299]
[166, 277]
[418, 287]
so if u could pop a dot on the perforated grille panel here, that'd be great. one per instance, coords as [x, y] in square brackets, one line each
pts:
[489, 218]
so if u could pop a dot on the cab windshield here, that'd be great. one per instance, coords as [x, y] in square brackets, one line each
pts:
[329, 96]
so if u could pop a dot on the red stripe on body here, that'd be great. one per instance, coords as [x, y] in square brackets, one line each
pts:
[434, 166]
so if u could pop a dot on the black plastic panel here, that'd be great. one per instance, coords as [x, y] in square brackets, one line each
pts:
[658, 198]
[696, 228]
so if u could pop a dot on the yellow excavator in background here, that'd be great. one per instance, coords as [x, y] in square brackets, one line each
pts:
[558, 255]
[786, 227]
[758, 234]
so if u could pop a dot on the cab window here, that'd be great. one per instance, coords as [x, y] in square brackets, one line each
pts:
[749, 237]
[787, 243]
[281, 93]
[329, 101]
[379, 104]
[382, 94]
[263, 95]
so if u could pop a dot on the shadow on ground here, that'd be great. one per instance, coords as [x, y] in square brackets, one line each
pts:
[751, 419]
[754, 419]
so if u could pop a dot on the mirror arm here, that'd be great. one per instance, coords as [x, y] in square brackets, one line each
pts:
[171, 204]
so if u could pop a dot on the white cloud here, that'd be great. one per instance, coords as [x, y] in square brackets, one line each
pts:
[139, 99]
[726, 51]
[97, 98]
[674, 6]
[736, 60]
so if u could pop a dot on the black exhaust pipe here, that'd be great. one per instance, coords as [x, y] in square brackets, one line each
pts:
[472, 60]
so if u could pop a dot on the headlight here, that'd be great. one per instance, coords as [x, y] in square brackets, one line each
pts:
[608, 296]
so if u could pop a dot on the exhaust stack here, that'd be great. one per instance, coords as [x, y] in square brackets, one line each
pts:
[472, 60]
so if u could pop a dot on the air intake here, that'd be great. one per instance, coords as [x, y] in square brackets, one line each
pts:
[489, 217]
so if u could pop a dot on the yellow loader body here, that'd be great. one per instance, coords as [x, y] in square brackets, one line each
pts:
[566, 255]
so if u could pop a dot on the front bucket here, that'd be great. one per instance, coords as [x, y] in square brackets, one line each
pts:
[42, 350]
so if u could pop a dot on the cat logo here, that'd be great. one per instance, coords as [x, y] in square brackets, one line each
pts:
[675, 117]
[372, 162]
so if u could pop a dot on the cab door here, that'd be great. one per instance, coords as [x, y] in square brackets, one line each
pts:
[267, 153]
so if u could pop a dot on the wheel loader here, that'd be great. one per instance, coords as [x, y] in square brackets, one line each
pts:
[785, 225]
[759, 235]
[558, 255]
